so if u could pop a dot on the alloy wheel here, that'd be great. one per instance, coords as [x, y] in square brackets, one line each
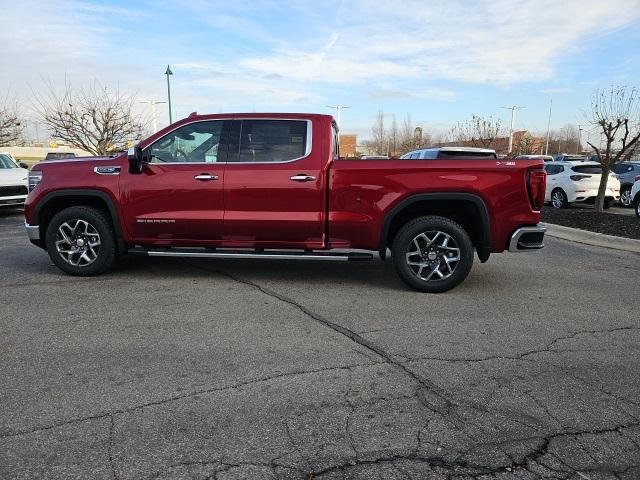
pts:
[557, 199]
[625, 197]
[78, 242]
[433, 256]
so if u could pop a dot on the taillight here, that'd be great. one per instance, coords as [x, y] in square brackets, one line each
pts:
[579, 177]
[637, 178]
[536, 184]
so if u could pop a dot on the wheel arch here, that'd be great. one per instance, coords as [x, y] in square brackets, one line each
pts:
[467, 209]
[54, 202]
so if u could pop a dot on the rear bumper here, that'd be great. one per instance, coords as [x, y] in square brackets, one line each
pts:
[530, 237]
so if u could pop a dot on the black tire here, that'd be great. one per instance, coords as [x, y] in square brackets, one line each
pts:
[403, 248]
[99, 230]
[637, 207]
[559, 199]
[608, 203]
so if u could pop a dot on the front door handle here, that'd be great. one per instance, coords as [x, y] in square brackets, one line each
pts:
[301, 177]
[205, 177]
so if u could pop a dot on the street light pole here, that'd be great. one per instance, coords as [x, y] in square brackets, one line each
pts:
[546, 146]
[154, 117]
[167, 73]
[513, 116]
[579, 138]
[338, 109]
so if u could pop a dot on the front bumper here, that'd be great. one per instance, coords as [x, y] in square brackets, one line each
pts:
[530, 237]
[12, 200]
[33, 232]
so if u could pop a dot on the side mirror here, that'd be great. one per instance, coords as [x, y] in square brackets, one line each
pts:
[136, 160]
[23, 165]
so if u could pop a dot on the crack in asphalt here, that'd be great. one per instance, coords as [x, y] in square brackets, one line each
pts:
[438, 403]
[547, 349]
[181, 397]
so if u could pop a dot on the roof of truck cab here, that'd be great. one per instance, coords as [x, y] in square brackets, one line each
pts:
[208, 116]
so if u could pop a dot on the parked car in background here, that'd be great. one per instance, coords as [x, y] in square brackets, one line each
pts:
[565, 157]
[13, 182]
[20, 164]
[59, 156]
[635, 196]
[627, 173]
[439, 153]
[545, 158]
[577, 182]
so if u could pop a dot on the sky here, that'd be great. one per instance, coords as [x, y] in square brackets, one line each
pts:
[438, 61]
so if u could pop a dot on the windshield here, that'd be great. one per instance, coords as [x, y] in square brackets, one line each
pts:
[6, 162]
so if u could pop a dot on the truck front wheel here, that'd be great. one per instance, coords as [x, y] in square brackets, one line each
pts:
[80, 241]
[432, 254]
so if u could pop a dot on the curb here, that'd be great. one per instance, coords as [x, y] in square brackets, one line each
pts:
[593, 238]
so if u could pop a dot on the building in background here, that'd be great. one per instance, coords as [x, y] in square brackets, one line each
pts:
[348, 145]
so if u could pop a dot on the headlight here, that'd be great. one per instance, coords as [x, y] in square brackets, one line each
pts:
[35, 177]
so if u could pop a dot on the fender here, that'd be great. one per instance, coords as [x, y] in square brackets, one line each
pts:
[484, 249]
[113, 212]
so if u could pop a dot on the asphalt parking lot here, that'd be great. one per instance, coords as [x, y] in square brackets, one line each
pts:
[235, 369]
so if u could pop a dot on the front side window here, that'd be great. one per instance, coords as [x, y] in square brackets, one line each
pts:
[272, 141]
[193, 143]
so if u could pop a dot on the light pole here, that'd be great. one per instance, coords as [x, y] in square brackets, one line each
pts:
[154, 117]
[546, 146]
[579, 138]
[513, 115]
[338, 109]
[167, 73]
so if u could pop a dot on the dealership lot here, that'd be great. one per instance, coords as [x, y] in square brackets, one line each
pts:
[238, 369]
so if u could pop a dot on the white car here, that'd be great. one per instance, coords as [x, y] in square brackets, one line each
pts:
[635, 195]
[13, 182]
[573, 182]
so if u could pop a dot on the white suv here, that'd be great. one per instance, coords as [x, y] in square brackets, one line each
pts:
[13, 182]
[571, 182]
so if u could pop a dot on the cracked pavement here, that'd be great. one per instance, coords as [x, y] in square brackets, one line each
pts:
[171, 369]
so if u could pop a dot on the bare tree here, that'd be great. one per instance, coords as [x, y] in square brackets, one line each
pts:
[477, 131]
[412, 137]
[379, 141]
[95, 119]
[527, 145]
[617, 114]
[11, 123]
[394, 137]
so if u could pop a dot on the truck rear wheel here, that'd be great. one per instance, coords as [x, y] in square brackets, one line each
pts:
[80, 241]
[432, 254]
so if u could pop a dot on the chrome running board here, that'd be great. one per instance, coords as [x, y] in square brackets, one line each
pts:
[267, 255]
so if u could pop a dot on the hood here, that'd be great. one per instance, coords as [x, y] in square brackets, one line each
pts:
[13, 176]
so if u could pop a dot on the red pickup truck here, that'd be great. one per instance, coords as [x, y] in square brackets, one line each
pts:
[274, 186]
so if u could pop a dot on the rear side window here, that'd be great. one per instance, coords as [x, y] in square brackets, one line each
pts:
[272, 140]
[588, 169]
[553, 169]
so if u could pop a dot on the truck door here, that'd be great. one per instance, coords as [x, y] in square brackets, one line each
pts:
[179, 194]
[274, 186]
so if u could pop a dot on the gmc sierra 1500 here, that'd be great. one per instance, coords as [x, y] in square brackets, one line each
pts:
[274, 186]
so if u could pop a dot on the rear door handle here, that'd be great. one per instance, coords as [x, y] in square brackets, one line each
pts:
[301, 177]
[205, 177]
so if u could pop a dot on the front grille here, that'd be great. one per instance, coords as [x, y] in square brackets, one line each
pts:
[13, 191]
